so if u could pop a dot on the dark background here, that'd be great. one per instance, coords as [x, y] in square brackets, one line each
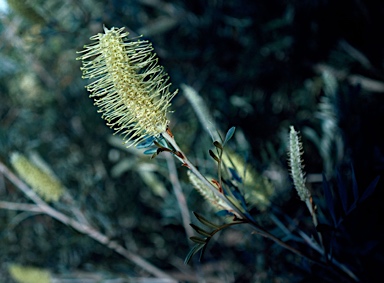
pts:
[260, 66]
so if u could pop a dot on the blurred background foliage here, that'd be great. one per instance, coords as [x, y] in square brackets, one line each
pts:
[258, 65]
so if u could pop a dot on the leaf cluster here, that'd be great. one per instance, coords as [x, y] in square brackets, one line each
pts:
[202, 242]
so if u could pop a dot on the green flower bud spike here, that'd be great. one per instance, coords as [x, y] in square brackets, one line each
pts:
[129, 87]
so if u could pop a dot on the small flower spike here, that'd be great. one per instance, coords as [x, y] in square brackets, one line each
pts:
[296, 165]
[129, 87]
[206, 192]
[45, 184]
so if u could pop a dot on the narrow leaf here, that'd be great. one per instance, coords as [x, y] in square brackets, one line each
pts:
[371, 188]
[355, 191]
[150, 151]
[154, 155]
[235, 175]
[229, 134]
[197, 240]
[218, 145]
[232, 199]
[192, 252]
[158, 144]
[329, 199]
[214, 156]
[203, 251]
[200, 107]
[200, 230]
[162, 141]
[240, 198]
[224, 213]
[354, 185]
[205, 221]
[146, 143]
[342, 192]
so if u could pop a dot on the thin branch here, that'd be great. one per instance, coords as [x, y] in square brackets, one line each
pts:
[258, 230]
[179, 195]
[173, 176]
[20, 206]
[186, 162]
[311, 209]
[82, 227]
[181, 156]
[315, 246]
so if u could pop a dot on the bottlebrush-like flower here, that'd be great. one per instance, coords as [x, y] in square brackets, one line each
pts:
[130, 88]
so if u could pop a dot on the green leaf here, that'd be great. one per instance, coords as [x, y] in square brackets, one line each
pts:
[224, 212]
[162, 142]
[205, 221]
[146, 143]
[158, 144]
[198, 240]
[150, 151]
[192, 252]
[154, 155]
[203, 251]
[218, 145]
[229, 134]
[200, 231]
[235, 202]
[214, 156]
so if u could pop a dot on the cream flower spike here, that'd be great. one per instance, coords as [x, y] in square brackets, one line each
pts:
[44, 183]
[296, 165]
[129, 87]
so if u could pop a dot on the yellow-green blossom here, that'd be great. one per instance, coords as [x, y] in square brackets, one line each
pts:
[216, 202]
[26, 274]
[256, 188]
[43, 183]
[129, 87]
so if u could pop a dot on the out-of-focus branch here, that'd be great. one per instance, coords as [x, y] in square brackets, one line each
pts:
[43, 207]
[179, 195]
[20, 206]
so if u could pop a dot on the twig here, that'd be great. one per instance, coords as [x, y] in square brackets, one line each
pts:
[187, 163]
[182, 205]
[82, 227]
[315, 246]
[311, 209]
[181, 156]
[258, 230]
[179, 195]
[20, 206]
